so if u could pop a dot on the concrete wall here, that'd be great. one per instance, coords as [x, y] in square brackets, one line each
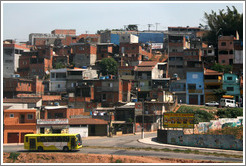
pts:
[83, 131]
[54, 86]
[203, 127]
[177, 137]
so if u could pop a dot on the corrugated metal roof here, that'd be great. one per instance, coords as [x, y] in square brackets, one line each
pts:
[144, 69]
[148, 63]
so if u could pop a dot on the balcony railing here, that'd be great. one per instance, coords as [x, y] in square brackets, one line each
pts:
[212, 80]
[195, 91]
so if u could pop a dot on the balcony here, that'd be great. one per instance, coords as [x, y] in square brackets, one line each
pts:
[127, 77]
[52, 121]
[74, 77]
[231, 81]
[195, 91]
[212, 81]
[145, 88]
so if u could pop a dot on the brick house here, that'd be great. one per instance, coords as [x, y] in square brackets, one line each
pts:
[133, 53]
[11, 55]
[37, 62]
[17, 87]
[84, 54]
[225, 50]
[17, 123]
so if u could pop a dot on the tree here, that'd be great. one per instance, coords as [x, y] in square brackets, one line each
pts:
[59, 65]
[226, 22]
[219, 93]
[132, 28]
[109, 66]
[222, 68]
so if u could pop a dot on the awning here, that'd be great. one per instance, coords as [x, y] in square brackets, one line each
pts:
[228, 96]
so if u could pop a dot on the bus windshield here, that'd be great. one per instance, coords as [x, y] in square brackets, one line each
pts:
[79, 138]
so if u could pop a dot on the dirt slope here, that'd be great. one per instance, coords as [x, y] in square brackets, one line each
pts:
[89, 158]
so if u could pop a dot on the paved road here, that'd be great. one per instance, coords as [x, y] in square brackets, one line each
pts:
[130, 141]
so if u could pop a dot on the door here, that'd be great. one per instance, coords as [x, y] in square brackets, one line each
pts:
[23, 136]
[72, 143]
[193, 99]
[22, 118]
[32, 144]
[13, 137]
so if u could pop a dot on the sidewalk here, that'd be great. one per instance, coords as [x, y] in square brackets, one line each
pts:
[153, 141]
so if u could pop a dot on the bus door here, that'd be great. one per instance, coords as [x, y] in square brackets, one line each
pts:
[32, 144]
[73, 143]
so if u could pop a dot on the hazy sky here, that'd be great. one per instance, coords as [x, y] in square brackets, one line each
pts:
[21, 19]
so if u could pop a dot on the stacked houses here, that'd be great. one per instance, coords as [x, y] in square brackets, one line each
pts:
[53, 83]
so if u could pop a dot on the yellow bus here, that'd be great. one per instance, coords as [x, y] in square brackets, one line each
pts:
[41, 142]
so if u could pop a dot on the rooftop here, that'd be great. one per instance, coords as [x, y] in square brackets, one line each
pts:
[86, 121]
[21, 100]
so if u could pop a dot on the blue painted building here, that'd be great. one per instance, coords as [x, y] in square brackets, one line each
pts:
[231, 84]
[195, 88]
[179, 87]
[145, 37]
[115, 38]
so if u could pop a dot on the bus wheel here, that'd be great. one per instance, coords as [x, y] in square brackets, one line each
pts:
[40, 149]
[65, 149]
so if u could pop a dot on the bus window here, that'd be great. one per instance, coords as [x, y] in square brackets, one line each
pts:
[50, 139]
[26, 139]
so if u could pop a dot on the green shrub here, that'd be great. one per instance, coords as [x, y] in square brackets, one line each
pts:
[229, 112]
[199, 115]
[13, 156]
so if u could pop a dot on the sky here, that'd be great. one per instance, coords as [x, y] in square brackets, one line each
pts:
[21, 19]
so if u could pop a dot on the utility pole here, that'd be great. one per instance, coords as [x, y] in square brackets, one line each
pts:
[142, 135]
[149, 25]
[156, 25]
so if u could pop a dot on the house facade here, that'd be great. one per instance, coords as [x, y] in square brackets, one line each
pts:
[195, 88]
[17, 123]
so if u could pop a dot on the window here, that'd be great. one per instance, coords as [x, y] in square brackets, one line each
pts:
[11, 115]
[223, 61]
[81, 48]
[223, 43]
[52, 75]
[58, 86]
[230, 88]
[192, 86]
[209, 51]
[58, 115]
[104, 96]
[26, 139]
[8, 61]
[194, 76]
[229, 78]
[29, 116]
[110, 85]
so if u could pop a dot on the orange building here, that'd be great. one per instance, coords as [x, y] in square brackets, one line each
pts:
[17, 123]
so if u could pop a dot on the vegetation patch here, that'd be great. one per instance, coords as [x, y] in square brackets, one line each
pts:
[199, 115]
[235, 131]
[229, 112]
[13, 156]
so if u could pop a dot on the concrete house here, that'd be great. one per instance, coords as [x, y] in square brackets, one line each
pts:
[195, 88]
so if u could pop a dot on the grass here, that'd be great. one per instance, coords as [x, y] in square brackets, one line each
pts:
[169, 150]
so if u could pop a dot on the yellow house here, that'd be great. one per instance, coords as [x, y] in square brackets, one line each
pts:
[212, 81]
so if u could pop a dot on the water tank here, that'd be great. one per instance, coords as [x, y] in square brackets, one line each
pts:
[106, 77]
[134, 100]
[101, 78]
[84, 67]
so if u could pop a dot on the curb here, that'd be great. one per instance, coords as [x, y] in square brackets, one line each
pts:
[189, 147]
